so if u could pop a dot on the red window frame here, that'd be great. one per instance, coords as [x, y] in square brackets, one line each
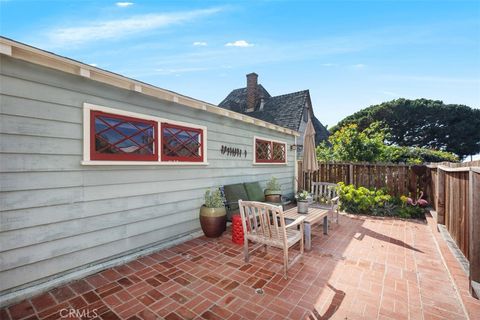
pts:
[94, 155]
[284, 153]
[270, 157]
[165, 157]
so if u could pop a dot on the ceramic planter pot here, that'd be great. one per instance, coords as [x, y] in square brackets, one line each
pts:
[302, 206]
[272, 192]
[213, 221]
[274, 196]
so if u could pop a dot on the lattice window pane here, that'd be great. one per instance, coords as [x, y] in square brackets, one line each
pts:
[263, 150]
[270, 152]
[278, 152]
[181, 143]
[122, 138]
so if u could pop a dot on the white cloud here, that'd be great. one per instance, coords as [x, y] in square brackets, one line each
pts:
[123, 4]
[239, 43]
[359, 66]
[329, 64]
[114, 29]
[200, 43]
[93, 64]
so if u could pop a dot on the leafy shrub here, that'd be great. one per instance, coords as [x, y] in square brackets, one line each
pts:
[351, 144]
[389, 209]
[363, 200]
[213, 199]
[410, 212]
[303, 196]
[273, 184]
[375, 202]
[407, 210]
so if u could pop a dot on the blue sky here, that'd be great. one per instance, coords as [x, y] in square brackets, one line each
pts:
[350, 54]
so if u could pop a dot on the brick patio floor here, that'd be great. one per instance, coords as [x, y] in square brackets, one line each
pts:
[366, 268]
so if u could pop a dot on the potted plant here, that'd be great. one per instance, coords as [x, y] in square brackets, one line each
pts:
[273, 191]
[303, 200]
[213, 216]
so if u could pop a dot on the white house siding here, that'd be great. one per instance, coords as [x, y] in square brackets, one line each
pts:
[58, 215]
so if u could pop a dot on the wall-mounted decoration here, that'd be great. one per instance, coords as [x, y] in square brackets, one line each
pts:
[233, 152]
[297, 147]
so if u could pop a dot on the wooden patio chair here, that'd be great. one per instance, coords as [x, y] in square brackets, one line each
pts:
[265, 224]
[325, 197]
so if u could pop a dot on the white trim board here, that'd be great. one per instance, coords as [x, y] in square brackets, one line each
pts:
[88, 107]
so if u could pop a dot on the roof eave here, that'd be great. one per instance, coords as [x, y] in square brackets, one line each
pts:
[37, 56]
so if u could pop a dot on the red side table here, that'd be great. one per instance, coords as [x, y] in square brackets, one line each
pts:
[237, 229]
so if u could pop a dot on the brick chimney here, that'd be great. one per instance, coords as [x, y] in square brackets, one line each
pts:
[252, 80]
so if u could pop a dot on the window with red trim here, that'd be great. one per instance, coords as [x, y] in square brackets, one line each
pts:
[278, 152]
[269, 151]
[116, 137]
[180, 143]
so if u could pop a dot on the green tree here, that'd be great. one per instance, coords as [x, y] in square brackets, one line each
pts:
[424, 123]
[416, 155]
[351, 144]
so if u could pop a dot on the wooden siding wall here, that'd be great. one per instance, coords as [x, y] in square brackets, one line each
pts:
[397, 179]
[57, 215]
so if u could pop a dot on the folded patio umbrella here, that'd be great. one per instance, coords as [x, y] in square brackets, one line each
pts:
[309, 156]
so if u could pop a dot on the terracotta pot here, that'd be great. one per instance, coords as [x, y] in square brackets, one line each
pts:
[268, 192]
[275, 198]
[213, 221]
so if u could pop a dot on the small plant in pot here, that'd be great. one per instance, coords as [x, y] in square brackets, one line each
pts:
[273, 191]
[303, 200]
[213, 216]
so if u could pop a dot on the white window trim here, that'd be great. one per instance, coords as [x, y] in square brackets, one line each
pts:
[88, 107]
[268, 163]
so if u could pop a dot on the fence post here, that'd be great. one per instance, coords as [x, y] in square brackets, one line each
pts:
[350, 173]
[474, 232]
[440, 196]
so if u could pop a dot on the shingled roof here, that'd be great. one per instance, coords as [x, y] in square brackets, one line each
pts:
[237, 99]
[284, 110]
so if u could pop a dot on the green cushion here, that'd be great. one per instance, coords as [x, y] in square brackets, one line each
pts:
[233, 193]
[254, 191]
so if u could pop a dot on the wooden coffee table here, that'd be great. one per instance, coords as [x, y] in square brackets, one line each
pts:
[314, 215]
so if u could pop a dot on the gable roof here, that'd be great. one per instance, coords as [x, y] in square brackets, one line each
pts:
[285, 110]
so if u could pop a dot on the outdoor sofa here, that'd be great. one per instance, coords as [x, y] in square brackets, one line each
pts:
[248, 191]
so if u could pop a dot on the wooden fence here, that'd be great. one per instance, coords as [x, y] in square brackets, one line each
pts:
[397, 179]
[453, 189]
[456, 200]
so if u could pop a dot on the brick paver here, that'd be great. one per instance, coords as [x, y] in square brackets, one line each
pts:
[365, 268]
